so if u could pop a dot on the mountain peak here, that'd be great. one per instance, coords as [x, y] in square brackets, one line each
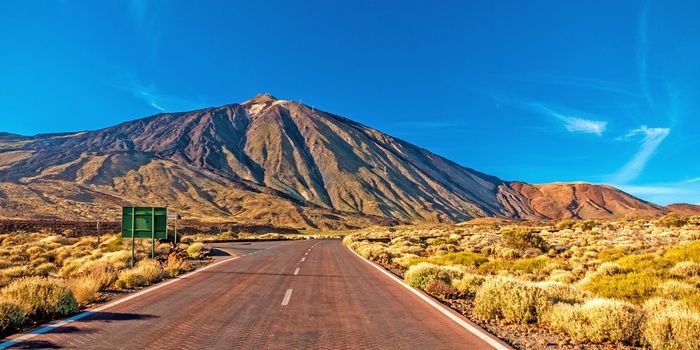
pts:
[261, 98]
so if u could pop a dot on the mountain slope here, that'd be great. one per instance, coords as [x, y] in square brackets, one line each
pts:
[269, 161]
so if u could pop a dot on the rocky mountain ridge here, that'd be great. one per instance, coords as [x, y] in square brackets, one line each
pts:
[276, 162]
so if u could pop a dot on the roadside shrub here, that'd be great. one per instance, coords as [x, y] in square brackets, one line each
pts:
[440, 289]
[92, 278]
[130, 279]
[112, 244]
[194, 251]
[469, 283]
[512, 300]
[42, 297]
[151, 270]
[686, 269]
[175, 266]
[12, 316]
[419, 275]
[597, 320]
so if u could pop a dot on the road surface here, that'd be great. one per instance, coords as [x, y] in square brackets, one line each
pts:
[272, 295]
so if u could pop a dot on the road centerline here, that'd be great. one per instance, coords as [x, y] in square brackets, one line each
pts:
[287, 296]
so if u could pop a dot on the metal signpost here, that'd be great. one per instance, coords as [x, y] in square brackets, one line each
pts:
[144, 222]
[174, 217]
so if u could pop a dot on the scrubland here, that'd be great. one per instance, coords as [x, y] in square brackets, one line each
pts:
[627, 283]
[44, 276]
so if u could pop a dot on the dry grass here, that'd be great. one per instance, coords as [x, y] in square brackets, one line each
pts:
[45, 275]
[588, 279]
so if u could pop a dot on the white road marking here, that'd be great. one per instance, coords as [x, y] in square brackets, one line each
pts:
[303, 259]
[439, 307]
[60, 323]
[287, 295]
[296, 272]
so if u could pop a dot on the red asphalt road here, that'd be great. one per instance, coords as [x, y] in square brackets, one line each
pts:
[275, 295]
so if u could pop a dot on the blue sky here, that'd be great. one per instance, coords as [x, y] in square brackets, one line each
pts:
[606, 92]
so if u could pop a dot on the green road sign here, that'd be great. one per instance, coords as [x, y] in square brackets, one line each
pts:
[144, 222]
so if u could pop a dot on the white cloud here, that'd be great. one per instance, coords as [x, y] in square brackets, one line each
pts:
[574, 121]
[693, 180]
[651, 141]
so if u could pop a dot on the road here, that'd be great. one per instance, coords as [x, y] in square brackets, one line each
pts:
[272, 295]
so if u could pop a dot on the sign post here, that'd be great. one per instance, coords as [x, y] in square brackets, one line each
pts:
[144, 222]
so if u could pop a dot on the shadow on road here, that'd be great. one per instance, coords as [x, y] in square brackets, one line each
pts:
[36, 344]
[115, 316]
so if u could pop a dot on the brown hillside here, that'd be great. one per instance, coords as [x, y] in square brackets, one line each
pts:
[269, 161]
[684, 209]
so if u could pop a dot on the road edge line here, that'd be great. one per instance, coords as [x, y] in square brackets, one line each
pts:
[483, 336]
[59, 323]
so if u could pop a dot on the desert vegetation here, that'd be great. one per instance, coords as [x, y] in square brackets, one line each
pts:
[44, 276]
[625, 282]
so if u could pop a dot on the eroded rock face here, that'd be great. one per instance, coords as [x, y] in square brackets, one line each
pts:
[270, 161]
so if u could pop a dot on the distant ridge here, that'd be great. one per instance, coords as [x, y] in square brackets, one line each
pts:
[271, 161]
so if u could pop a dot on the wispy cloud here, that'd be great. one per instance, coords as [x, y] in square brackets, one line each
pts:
[574, 121]
[697, 179]
[649, 143]
[150, 94]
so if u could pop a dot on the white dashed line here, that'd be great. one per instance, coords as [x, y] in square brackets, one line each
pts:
[303, 259]
[296, 272]
[287, 295]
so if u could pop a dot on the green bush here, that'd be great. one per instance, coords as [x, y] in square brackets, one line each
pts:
[461, 258]
[194, 251]
[12, 317]
[634, 287]
[521, 239]
[41, 297]
[512, 300]
[419, 275]
[672, 220]
[684, 252]
[469, 283]
[565, 224]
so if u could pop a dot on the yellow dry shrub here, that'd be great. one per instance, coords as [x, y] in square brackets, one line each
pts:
[676, 290]
[119, 259]
[610, 269]
[42, 297]
[91, 279]
[670, 325]
[597, 320]
[175, 265]
[566, 293]
[145, 272]
[687, 269]
[513, 300]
